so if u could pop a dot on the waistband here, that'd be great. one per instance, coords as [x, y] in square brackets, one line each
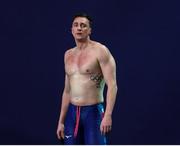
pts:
[86, 106]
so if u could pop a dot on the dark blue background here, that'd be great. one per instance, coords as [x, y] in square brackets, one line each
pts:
[143, 37]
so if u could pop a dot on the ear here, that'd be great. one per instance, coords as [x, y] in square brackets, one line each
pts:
[71, 30]
[90, 31]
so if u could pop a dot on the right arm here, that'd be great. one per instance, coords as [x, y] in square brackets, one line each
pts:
[64, 107]
[65, 101]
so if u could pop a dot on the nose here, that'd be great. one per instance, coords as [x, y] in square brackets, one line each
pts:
[79, 28]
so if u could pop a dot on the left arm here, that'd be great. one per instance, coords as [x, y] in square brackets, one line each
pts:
[108, 67]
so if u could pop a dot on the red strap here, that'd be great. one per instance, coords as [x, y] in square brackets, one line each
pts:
[77, 120]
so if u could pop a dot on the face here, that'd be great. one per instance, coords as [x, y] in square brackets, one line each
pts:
[81, 28]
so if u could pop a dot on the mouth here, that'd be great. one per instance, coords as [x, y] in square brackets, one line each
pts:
[79, 33]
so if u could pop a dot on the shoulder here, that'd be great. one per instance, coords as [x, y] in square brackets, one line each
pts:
[102, 52]
[68, 53]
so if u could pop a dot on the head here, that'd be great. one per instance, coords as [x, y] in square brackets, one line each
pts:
[81, 26]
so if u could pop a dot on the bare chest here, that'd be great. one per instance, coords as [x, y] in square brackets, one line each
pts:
[81, 63]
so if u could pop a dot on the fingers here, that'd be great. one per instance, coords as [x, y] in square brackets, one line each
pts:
[105, 129]
[101, 129]
[60, 134]
[60, 131]
[109, 128]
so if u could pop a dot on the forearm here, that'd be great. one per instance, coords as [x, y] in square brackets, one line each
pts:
[110, 99]
[64, 107]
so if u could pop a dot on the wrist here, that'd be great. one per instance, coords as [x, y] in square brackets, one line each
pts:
[61, 121]
[107, 114]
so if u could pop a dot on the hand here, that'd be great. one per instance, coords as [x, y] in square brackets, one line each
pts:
[106, 124]
[60, 131]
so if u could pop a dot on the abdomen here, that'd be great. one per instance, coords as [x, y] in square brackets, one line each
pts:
[84, 91]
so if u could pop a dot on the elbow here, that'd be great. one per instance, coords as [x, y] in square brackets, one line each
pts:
[116, 88]
[113, 87]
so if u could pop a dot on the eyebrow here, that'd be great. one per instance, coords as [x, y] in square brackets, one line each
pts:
[75, 22]
[80, 23]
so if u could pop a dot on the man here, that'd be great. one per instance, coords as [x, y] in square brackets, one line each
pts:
[88, 66]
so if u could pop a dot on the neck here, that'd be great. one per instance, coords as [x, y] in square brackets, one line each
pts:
[82, 44]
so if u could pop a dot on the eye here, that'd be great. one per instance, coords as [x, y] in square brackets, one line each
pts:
[83, 25]
[75, 24]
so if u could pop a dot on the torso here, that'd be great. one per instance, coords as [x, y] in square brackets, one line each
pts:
[85, 76]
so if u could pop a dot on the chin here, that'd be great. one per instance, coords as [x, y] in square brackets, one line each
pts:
[80, 39]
